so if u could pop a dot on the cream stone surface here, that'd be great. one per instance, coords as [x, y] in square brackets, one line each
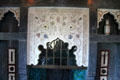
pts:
[67, 23]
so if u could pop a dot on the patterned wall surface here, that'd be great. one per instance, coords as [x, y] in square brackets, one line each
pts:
[114, 12]
[69, 24]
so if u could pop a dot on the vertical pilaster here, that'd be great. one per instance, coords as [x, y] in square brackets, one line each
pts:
[22, 56]
[92, 61]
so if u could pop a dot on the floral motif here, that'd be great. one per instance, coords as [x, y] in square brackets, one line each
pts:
[66, 23]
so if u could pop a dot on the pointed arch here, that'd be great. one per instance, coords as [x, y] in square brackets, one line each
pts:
[112, 22]
[9, 22]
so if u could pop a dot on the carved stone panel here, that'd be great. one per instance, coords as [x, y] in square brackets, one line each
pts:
[69, 24]
[15, 10]
[114, 12]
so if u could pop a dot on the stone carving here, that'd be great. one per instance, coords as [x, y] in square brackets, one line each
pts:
[108, 25]
[57, 53]
[68, 24]
[15, 10]
[114, 12]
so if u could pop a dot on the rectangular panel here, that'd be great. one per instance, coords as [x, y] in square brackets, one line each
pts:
[103, 71]
[68, 24]
[103, 78]
[104, 58]
[11, 56]
[11, 76]
[11, 68]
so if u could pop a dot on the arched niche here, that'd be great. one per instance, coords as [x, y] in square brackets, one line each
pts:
[15, 10]
[114, 30]
[9, 23]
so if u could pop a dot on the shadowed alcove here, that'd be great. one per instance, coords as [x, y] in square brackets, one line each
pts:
[108, 19]
[8, 25]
